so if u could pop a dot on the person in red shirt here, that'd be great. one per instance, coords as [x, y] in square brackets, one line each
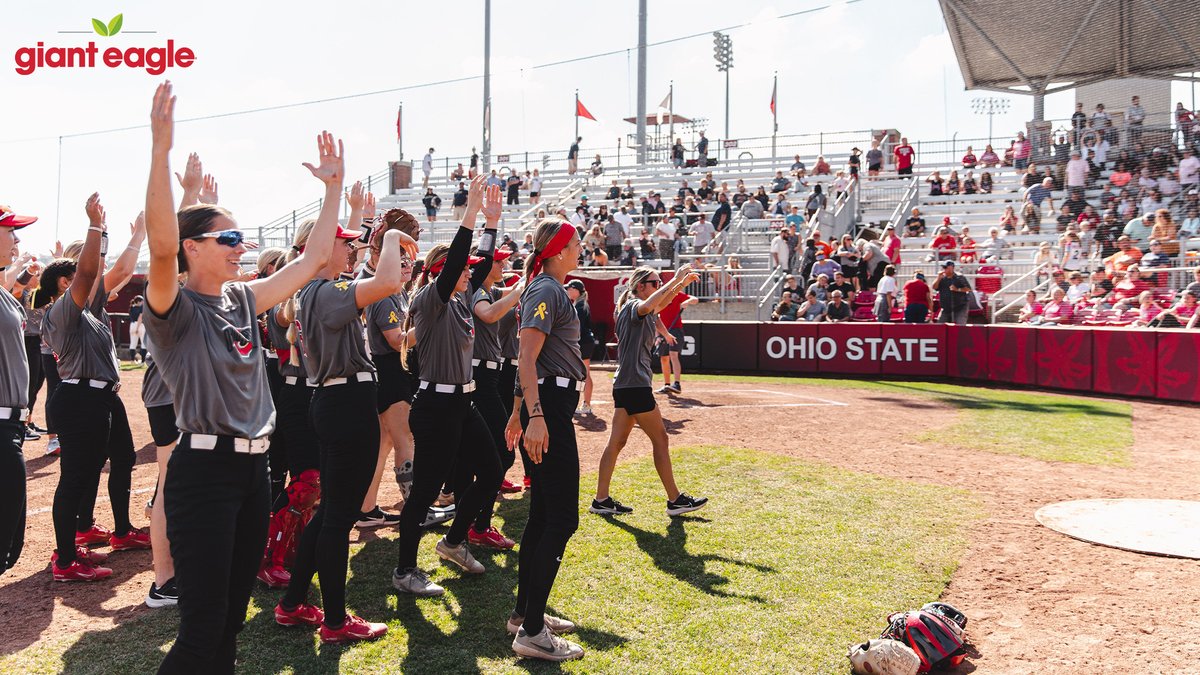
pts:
[917, 299]
[1057, 312]
[670, 330]
[969, 160]
[905, 157]
[822, 246]
[944, 244]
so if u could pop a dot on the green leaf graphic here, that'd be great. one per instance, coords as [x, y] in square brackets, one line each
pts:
[114, 26]
[99, 27]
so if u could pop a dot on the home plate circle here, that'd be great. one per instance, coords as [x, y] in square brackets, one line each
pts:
[1156, 526]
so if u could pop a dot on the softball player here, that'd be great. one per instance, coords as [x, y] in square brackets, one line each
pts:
[633, 396]
[552, 375]
[509, 351]
[446, 426]
[160, 410]
[577, 292]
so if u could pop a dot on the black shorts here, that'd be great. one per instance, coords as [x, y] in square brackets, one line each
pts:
[635, 400]
[162, 425]
[907, 171]
[874, 167]
[533, 195]
[395, 384]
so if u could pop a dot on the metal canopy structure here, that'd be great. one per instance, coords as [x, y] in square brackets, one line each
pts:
[1038, 48]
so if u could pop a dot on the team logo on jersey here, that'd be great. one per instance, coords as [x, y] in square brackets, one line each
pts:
[540, 312]
[240, 339]
[392, 318]
[342, 285]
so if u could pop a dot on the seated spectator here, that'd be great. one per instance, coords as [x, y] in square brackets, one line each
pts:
[1089, 215]
[1044, 260]
[1126, 255]
[684, 191]
[627, 191]
[841, 282]
[837, 309]
[936, 184]
[822, 167]
[614, 192]
[597, 166]
[812, 309]
[780, 184]
[1032, 308]
[1180, 314]
[918, 299]
[953, 184]
[1194, 287]
[1153, 201]
[969, 185]
[966, 246]
[629, 257]
[1156, 257]
[1056, 312]
[825, 266]
[820, 286]
[989, 159]
[785, 309]
[781, 207]
[458, 173]
[944, 244]
[753, 209]
[1166, 232]
[1009, 221]
[985, 183]
[915, 225]
[995, 247]
[790, 286]
[1101, 287]
[1147, 309]
[646, 246]
[1129, 285]
[705, 193]
[815, 201]
[969, 160]
[1191, 223]
[798, 169]
[1078, 290]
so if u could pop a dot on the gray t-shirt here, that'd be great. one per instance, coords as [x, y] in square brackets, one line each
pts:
[487, 335]
[874, 157]
[385, 315]
[33, 317]
[445, 333]
[331, 333]
[635, 342]
[510, 345]
[155, 392]
[14, 386]
[279, 340]
[81, 338]
[208, 346]
[546, 307]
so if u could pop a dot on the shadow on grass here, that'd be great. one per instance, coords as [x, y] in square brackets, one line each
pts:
[1048, 404]
[665, 549]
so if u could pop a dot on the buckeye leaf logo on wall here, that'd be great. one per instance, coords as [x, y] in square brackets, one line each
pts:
[108, 29]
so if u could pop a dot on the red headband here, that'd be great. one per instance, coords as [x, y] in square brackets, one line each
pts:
[436, 268]
[556, 245]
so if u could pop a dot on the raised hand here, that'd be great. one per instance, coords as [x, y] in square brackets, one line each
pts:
[208, 192]
[476, 193]
[193, 175]
[57, 251]
[369, 207]
[355, 198]
[331, 167]
[138, 226]
[95, 211]
[162, 117]
[493, 205]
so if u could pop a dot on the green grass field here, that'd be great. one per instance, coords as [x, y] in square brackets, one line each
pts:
[1049, 427]
[791, 562]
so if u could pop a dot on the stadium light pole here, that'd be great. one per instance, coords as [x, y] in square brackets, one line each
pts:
[641, 83]
[990, 106]
[487, 85]
[723, 53]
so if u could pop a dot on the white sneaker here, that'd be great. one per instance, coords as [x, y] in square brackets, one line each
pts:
[585, 409]
[545, 645]
[554, 623]
[416, 582]
[53, 448]
[404, 477]
[459, 555]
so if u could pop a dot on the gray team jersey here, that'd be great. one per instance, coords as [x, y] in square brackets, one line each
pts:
[487, 335]
[209, 346]
[510, 345]
[445, 333]
[154, 389]
[635, 342]
[14, 386]
[330, 330]
[387, 314]
[33, 317]
[81, 338]
[546, 307]
[278, 336]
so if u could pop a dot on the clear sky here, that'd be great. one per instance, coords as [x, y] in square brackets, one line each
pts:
[870, 64]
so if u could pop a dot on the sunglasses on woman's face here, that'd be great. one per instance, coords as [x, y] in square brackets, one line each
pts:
[230, 238]
[653, 282]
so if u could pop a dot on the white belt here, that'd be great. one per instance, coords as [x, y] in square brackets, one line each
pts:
[490, 365]
[14, 414]
[95, 384]
[448, 388]
[510, 361]
[293, 379]
[564, 382]
[272, 356]
[361, 376]
[250, 446]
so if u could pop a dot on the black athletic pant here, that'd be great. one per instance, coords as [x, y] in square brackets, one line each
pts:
[347, 429]
[486, 398]
[217, 506]
[50, 372]
[508, 383]
[277, 451]
[553, 507]
[446, 428]
[92, 428]
[12, 493]
[33, 353]
[293, 422]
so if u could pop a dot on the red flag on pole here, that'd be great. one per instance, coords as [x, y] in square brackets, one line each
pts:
[399, 112]
[581, 111]
[774, 89]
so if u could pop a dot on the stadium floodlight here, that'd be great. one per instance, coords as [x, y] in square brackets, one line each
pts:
[990, 106]
[723, 53]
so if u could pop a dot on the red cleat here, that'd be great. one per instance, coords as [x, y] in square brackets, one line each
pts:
[509, 488]
[132, 540]
[80, 570]
[304, 615]
[93, 535]
[489, 538]
[355, 628]
[526, 482]
[85, 554]
[274, 576]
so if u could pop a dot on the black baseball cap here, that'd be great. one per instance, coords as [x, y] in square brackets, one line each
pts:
[576, 284]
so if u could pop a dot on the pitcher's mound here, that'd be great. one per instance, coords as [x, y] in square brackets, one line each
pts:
[1156, 526]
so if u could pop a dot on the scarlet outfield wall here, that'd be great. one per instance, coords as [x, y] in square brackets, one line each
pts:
[1157, 364]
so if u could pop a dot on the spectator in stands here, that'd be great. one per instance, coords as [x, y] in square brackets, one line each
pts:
[623, 217]
[936, 184]
[1129, 285]
[495, 179]
[822, 167]
[665, 232]
[1168, 186]
[1166, 232]
[953, 184]
[848, 258]
[966, 246]
[995, 248]
[798, 170]
[785, 309]
[1189, 169]
[677, 153]
[1153, 201]
[1180, 314]
[458, 173]
[762, 197]
[1064, 219]
[790, 285]
[527, 245]
[473, 169]
[874, 159]
[753, 209]
[952, 289]
[1055, 180]
[1088, 216]
[691, 212]
[944, 244]
[794, 220]
[1061, 152]
[815, 201]
[427, 168]
[969, 160]
[1032, 308]
[705, 192]
[1078, 290]
[807, 258]
[1156, 257]
[885, 294]
[780, 246]
[1008, 220]
[432, 203]
[854, 162]
[614, 235]
[1056, 312]
[841, 282]
[969, 185]
[1075, 202]
[646, 247]
[781, 183]
[825, 266]
[820, 286]
[1044, 260]
[629, 256]
[1147, 310]
[985, 183]
[812, 309]
[1021, 150]
[891, 244]
[1101, 287]
[915, 225]
[603, 215]
[1106, 234]
[837, 309]
[1031, 210]
[1079, 123]
[989, 159]
[702, 234]
[1031, 176]
[873, 261]
[1191, 223]
[614, 191]
[1127, 254]
[740, 196]
[1076, 169]
[905, 156]
[839, 185]
[535, 187]
[702, 150]
[723, 214]
[1139, 229]
[918, 298]
[821, 245]
[597, 166]
[573, 157]
[459, 201]
[514, 189]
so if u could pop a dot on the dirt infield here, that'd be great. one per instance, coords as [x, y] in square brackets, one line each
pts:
[1038, 601]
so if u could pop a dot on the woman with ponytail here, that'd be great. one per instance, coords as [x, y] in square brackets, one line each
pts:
[510, 349]
[551, 375]
[446, 427]
[633, 398]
